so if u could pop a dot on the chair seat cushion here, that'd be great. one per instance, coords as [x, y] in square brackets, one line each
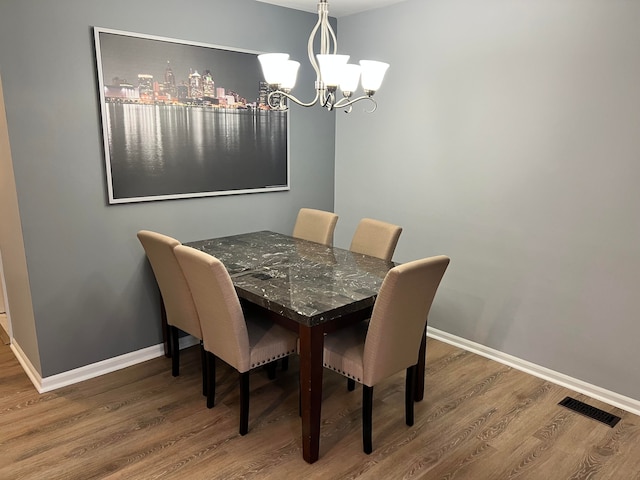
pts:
[344, 351]
[268, 341]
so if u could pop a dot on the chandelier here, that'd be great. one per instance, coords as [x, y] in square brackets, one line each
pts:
[332, 72]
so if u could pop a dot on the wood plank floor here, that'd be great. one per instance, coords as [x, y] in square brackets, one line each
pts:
[479, 420]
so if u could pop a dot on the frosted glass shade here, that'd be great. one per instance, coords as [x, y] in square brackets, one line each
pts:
[273, 67]
[289, 71]
[349, 77]
[372, 74]
[331, 68]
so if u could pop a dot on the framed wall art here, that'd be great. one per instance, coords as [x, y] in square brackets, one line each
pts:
[183, 119]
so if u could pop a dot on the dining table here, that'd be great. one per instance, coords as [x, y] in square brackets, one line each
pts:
[309, 288]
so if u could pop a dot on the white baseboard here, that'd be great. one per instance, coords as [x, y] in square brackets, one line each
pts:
[54, 382]
[93, 370]
[26, 364]
[593, 391]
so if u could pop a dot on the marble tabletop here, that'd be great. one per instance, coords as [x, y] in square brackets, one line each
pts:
[307, 282]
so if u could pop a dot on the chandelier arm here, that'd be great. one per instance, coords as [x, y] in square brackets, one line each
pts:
[329, 41]
[280, 93]
[312, 58]
[323, 18]
[334, 39]
[342, 104]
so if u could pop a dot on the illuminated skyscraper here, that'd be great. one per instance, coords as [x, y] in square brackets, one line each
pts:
[145, 86]
[208, 85]
[169, 81]
[195, 85]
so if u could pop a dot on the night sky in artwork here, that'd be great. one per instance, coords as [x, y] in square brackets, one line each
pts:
[124, 56]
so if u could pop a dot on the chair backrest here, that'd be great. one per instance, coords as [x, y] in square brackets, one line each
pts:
[399, 317]
[315, 225]
[224, 330]
[375, 238]
[176, 296]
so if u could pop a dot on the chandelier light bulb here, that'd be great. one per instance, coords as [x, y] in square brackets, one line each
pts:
[273, 67]
[331, 67]
[349, 78]
[372, 74]
[289, 74]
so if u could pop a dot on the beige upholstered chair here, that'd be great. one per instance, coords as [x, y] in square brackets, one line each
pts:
[315, 225]
[243, 341]
[375, 238]
[391, 341]
[176, 301]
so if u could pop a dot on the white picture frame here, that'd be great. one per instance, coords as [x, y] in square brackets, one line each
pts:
[192, 122]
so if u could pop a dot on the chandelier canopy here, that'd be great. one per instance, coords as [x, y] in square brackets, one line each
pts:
[332, 72]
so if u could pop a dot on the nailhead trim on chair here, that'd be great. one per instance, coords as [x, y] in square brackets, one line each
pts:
[272, 359]
[342, 373]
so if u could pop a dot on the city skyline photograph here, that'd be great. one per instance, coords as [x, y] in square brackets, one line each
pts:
[125, 55]
[184, 134]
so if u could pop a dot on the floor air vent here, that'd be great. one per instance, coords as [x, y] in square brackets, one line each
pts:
[589, 411]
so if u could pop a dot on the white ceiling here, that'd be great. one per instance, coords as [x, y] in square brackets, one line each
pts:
[337, 8]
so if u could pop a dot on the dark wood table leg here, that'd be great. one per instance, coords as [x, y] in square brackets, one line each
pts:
[418, 393]
[311, 351]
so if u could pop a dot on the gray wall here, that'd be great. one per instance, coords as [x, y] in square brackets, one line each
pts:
[508, 137]
[92, 291]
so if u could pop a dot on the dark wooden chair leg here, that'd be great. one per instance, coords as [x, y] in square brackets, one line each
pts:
[285, 364]
[175, 351]
[166, 338]
[271, 370]
[409, 394]
[205, 376]
[367, 414]
[244, 403]
[351, 384]
[418, 391]
[211, 379]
